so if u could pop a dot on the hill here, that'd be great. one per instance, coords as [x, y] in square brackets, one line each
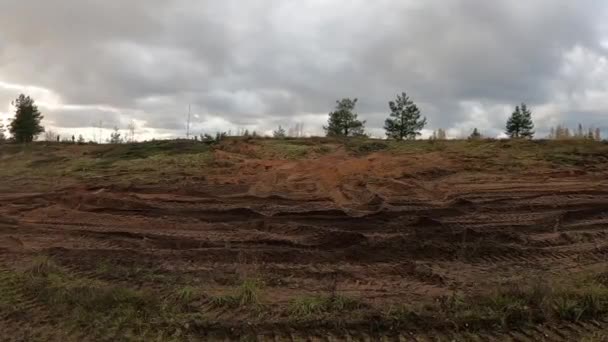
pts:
[304, 238]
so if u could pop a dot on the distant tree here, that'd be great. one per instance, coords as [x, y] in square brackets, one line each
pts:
[475, 135]
[520, 123]
[439, 134]
[597, 135]
[579, 132]
[2, 133]
[279, 133]
[246, 133]
[297, 131]
[590, 134]
[73, 139]
[343, 121]
[404, 121]
[26, 126]
[131, 128]
[220, 136]
[115, 137]
[51, 136]
[254, 134]
[80, 140]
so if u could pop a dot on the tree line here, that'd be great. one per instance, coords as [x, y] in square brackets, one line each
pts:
[404, 122]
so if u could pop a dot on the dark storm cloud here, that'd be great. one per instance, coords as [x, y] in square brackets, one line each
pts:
[260, 63]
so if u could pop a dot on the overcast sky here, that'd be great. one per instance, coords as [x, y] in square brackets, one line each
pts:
[260, 63]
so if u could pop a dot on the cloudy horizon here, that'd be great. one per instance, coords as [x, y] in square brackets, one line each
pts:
[259, 64]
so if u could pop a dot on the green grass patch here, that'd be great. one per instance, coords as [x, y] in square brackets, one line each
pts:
[247, 294]
[312, 306]
[101, 309]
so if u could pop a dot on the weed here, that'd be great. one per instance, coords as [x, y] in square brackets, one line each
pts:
[247, 294]
[304, 307]
[182, 297]
[43, 266]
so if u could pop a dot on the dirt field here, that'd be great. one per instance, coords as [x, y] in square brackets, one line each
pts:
[304, 240]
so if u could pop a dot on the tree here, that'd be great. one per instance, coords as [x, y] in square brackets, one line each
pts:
[439, 134]
[343, 121]
[475, 135]
[115, 137]
[80, 140]
[25, 127]
[50, 135]
[520, 123]
[579, 132]
[404, 121]
[279, 133]
[73, 139]
[297, 131]
[2, 130]
[131, 128]
[598, 135]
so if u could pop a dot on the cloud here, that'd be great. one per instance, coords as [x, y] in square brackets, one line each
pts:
[259, 64]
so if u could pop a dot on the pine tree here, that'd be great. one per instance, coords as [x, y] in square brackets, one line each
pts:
[25, 127]
[475, 135]
[520, 123]
[279, 133]
[590, 135]
[343, 121]
[598, 135]
[404, 121]
[80, 140]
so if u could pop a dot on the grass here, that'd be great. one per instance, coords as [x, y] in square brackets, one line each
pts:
[101, 309]
[107, 310]
[311, 306]
[54, 165]
[248, 294]
[511, 307]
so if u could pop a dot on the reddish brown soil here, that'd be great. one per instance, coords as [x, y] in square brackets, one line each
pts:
[375, 228]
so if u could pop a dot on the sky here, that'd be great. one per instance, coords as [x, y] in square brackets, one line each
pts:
[258, 64]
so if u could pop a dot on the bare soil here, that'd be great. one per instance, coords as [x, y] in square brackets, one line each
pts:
[385, 229]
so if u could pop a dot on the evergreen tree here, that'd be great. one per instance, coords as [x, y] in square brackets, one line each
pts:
[404, 121]
[279, 133]
[520, 123]
[25, 127]
[343, 121]
[80, 140]
[598, 134]
[475, 135]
